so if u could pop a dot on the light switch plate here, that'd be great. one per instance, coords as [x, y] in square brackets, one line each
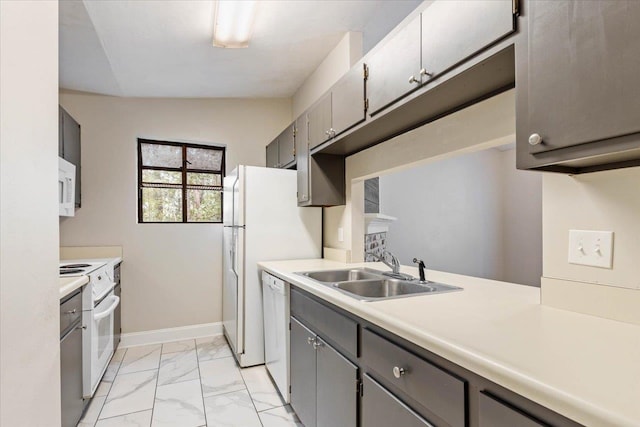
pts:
[593, 248]
[340, 234]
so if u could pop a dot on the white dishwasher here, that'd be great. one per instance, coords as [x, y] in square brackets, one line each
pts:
[275, 300]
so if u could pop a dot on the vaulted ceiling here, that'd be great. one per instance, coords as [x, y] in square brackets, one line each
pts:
[162, 48]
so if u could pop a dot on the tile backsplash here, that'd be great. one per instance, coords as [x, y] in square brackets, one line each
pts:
[374, 244]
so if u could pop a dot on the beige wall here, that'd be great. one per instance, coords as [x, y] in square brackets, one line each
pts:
[610, 201]
[346, 53]
[29, 284]
[172, 272]
[487, 124]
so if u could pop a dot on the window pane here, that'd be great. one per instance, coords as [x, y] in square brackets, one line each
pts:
[168, 156]
[161, 205]
[204, 179]
[161, 177]
[202, 158]
[204, 206]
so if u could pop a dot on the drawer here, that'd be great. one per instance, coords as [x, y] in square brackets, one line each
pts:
[70, 311]
[436, 390]
[329, 324]
[496, 414]
[380, 408]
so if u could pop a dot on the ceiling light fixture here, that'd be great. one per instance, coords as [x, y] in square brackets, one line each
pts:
[233, 22]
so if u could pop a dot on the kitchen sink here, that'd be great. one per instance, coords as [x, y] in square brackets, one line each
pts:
[391, 288]
[371, 285]
[332, 276]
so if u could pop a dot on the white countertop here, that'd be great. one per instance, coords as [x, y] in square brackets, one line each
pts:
[70, 284]
[583, 367]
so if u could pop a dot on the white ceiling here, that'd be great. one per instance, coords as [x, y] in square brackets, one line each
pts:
[162, 48]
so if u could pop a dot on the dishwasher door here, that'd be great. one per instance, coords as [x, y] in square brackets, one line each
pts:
[276, 331]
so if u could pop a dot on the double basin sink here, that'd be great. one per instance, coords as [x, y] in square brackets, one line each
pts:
[371, 285]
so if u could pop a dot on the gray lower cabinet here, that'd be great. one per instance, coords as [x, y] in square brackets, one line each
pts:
[323, 382]
[493, 413]
[303, 373]
[380, 408]
[69, 145]
[272, 154]
[578, 95]
[394, 68]
[72, 403]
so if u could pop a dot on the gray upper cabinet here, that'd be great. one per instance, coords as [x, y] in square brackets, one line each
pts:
[302, 158]
[286, 146]
[578, 95]
[348, 104]
[272, 154]
[394, 69]
[454, 30]
[320, 121]
[69, 145]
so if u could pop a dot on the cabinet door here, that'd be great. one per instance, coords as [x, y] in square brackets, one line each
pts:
[303, 373]
[348, 100]
[71, 142]
[392, 66]
[582, 72]
[286, 146]
[302, 158]
[380, 408]
[320, 121]
[495, 414]
[336, 388]
[71, 377]
[272, 154]
[453, 30]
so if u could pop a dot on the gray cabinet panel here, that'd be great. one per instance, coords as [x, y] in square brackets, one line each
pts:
[391, 67]
[582, 68]
[495, 414]
[286, 146]
[453, 30]
[435, 389]
[272, 154]
[71, 147]
[302, 158]
[71, 376]
[320, 121]
[60, 137]
[70, 311]
[329, 324]
[336, 388]
[347, 100]
[303, 373]
[382, 409]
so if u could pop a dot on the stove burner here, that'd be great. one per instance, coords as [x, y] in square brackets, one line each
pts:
[75, 266]
[70, 271]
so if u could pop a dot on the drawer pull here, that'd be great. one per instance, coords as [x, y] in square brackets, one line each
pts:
[398, 372]
[71, 312]
[311, 340]
[317, 344]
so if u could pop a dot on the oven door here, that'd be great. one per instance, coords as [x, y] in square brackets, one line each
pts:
[101, 339]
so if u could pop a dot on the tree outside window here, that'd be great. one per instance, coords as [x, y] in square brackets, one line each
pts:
[179, 183]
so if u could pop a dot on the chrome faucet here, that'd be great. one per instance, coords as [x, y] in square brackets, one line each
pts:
[394, 265]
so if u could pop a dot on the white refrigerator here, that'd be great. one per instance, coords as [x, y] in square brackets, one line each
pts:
[262, 222]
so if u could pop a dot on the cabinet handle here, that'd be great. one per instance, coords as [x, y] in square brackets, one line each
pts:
[424, 72]
[311, 340]
[535, 139]
[317, 344]
[413, 79]
[398, 372]
[71, 312]
[82, 327]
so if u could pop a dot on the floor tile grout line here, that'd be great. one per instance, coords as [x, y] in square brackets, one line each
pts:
[124, 415]
[155, 390]
[253, 403]
[204, 407]
[114, 380]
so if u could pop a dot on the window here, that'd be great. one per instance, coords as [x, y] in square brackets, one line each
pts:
[179, 183]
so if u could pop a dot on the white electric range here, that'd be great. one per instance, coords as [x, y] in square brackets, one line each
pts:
[98, 306]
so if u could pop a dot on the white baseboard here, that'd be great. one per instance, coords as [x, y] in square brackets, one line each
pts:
[158, 336]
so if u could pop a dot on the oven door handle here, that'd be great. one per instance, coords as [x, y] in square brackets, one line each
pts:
[108, 311]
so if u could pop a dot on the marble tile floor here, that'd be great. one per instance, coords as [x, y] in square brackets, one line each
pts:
[190, 383]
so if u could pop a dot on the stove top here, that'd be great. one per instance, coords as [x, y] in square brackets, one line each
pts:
[71, 269]
[67, 271]
[64, 266]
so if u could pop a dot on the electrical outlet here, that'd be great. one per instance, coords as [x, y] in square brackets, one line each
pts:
[593, 248]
